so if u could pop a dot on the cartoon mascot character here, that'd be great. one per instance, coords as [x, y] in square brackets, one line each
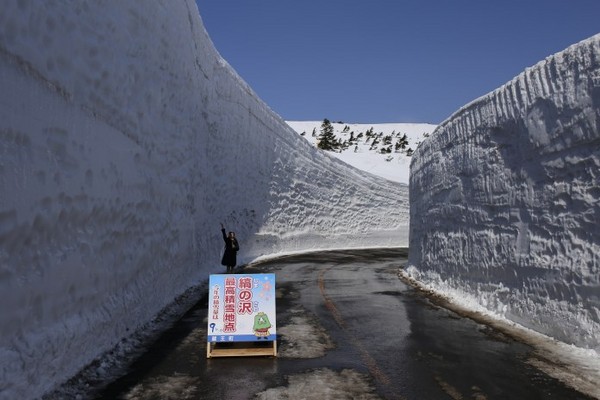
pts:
[261, 325]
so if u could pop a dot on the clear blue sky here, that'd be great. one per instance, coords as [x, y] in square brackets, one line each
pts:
[374, 61]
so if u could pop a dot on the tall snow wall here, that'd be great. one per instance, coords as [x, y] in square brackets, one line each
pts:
[505, 199]
[125, 139]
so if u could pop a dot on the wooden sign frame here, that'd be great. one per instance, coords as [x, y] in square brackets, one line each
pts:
[241, 349]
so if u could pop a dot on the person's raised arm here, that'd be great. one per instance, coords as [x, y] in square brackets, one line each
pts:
[223, 232]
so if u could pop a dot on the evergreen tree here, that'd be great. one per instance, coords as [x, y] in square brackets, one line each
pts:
[401, 143]
[374, 144]
[386, 150]
[352, 139]
[327, 139]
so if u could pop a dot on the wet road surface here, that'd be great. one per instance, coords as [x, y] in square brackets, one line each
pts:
[348, 328]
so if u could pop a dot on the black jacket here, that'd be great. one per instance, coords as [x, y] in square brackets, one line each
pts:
[231, 249]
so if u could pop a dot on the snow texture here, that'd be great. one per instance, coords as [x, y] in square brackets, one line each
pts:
[505, 200]
[125, 139]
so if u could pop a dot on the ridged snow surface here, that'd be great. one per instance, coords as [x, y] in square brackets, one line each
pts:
[125, 140]
[505, 199]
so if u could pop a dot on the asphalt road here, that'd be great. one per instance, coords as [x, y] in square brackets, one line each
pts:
[348, 328]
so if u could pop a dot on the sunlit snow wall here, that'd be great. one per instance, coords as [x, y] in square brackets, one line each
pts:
[505, 199]
[125, 140]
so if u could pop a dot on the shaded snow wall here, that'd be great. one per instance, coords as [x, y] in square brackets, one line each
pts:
[124, 140]
[505, 199]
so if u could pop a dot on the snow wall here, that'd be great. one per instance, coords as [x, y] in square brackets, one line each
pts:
[125, 139]
[505, 200]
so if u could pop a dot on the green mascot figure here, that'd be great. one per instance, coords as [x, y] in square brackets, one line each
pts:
[261, 325]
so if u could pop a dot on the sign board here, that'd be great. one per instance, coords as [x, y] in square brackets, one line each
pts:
[241, 308]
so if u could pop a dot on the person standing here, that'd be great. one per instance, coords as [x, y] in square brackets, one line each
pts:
[231, 248]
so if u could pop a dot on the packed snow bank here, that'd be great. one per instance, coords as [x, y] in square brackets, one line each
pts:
[505, 200]
[124, 140]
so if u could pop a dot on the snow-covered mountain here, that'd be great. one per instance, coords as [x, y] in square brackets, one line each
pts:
[375, 148]
[125, 139]
[505, 200]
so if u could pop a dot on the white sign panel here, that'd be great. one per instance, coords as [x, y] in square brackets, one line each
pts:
[241, 308]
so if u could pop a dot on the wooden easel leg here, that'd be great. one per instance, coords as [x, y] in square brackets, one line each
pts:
[208, 349]
[274, 348]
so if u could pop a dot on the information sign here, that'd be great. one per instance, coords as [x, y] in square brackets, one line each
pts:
[241, 308]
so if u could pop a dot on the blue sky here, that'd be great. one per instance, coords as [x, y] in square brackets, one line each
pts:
[375, 61]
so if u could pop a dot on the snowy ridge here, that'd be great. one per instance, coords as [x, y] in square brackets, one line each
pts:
[124, 140]
[362, 154]
[505, 200]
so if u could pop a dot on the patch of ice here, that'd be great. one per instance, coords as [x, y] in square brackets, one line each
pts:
[323, 384]
[303, 337]
[176, 387]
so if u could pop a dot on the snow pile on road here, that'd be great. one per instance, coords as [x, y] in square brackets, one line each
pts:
[505, 200]
[124, 140]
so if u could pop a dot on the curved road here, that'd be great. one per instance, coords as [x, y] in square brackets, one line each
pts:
[348, 328]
